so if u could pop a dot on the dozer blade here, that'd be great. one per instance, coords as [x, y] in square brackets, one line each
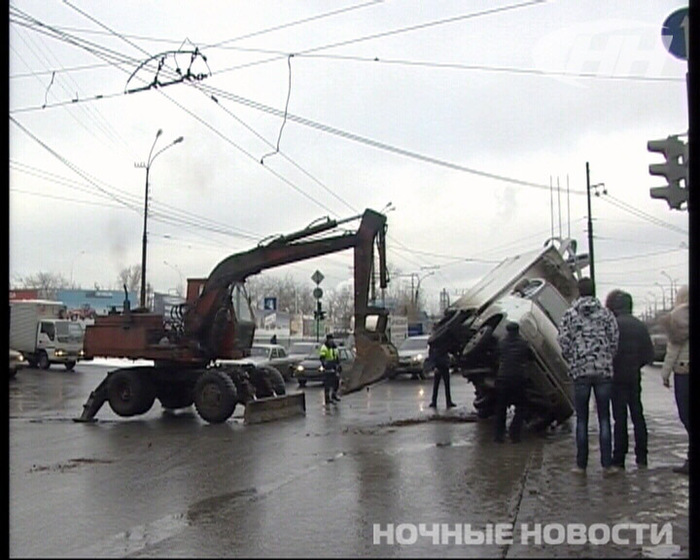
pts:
[275, 408]
[372, 362]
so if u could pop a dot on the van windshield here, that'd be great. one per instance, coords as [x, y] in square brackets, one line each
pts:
[414, 344]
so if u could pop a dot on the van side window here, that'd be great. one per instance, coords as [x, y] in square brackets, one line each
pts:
[48, 329]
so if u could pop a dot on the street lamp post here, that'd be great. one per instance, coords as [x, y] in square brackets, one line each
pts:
[176, 269]
[71, 267]
[664, 273]
[663, 296]
[144, 241]
[420, 279]
[652, 294]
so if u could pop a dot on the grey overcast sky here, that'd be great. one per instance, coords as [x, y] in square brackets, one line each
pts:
[475, 119]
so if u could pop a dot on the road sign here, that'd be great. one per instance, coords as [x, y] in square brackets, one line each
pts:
[674, 33]
[318, 293]
[270, 304]
[317, 277]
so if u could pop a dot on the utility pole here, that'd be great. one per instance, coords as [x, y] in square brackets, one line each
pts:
[590, 227]
[144, 239]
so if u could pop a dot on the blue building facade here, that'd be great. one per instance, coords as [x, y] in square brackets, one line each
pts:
[94, 302]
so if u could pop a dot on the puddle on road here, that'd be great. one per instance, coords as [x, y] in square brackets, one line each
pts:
[135, 539]
[69, 465]
[207, 508]
[451, 419]
[662, 551]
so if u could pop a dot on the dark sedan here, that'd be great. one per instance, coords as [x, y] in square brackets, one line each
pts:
[310, 368]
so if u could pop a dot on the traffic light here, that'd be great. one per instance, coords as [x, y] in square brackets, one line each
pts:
[675, 170]
[319, 313]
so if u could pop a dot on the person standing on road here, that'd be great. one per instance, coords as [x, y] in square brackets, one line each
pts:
[588, 337]
[677, 360]
[634, 351]
[513, 354]
[330, 360]
[439, 359]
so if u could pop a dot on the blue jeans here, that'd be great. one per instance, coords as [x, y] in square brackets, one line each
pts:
[602, 389]
[682, 392]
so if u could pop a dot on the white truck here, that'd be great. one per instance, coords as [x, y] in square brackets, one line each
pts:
[40, 331]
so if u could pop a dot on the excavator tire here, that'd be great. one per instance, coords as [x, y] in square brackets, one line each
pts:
[215, 397]
[173, 397]
[261, 379]
[130, 393]
[275, 379]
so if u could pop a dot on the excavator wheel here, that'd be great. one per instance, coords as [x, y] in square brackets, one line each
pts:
[130, 393]
[275, 380]
[215, 397]
[173, 397]
[261, 380]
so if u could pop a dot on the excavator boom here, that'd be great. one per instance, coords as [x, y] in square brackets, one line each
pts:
[217, 322]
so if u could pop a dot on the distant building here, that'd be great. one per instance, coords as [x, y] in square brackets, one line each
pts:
[26, 294]
[88, 303]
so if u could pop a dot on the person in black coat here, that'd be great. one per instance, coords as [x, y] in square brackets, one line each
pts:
[514, 354]
[635, 349]
[439, 359]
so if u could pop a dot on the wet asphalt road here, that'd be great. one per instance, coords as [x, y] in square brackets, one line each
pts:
[163, 485]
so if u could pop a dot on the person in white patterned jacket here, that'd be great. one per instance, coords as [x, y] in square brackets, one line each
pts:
[588, 337]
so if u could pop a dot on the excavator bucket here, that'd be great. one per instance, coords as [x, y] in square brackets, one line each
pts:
[372, 362]
[274, 408]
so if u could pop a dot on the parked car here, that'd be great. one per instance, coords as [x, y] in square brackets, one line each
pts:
[274, 355]
[17, 362]
[659, 340]
[310, 368]
[533, 289]
[413, 352]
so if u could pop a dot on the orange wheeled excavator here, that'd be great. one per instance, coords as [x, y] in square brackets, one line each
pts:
[216, 322]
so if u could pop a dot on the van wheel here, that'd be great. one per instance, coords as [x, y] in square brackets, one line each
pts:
[44, 361]
[478, 341]
[69, 366]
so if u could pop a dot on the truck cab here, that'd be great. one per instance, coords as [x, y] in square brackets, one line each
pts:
[40, 331]
[60, 341]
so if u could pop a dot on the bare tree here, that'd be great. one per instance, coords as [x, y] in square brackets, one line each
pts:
[131, 276]
[341, 305]
[292, 296]
[46, 283]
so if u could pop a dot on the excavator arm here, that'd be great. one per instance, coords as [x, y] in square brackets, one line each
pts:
[212, 328]
[201, 321]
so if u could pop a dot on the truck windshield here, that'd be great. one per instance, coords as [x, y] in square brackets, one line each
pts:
[69, 330]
